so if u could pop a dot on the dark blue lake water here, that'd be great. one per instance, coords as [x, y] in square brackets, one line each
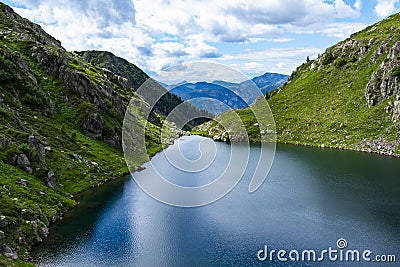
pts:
[311, 198]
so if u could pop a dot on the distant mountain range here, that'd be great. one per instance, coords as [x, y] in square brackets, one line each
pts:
[219, 96]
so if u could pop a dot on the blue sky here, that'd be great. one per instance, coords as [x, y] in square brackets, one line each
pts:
[251, 36]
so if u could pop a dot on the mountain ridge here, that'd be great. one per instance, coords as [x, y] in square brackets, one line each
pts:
[227, 95]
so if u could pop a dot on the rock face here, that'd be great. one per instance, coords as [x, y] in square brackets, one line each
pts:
[396, 109]
[93, 125]
[385, 81]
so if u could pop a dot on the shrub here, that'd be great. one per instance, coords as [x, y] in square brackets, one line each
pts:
[353, 59]
[340, 62]
[73, 136]
[328, 58]
[396, 71]
[7, 70]
[30, 152]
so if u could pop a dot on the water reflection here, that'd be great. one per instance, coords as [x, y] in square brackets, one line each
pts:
[311, 198]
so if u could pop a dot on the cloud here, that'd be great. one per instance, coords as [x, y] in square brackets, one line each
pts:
[358, 5]
[158, 34]
[199, 71]
[343, 10]
[281, 60]
[386, 7]
[340, 30]
[105, 13]
[197, 48]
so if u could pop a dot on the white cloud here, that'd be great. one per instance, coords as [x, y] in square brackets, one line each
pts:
[344, 10]
[281, 60]
[199, 71]
[157, 34]
[340, 30]
[358, 5]
[385, 7]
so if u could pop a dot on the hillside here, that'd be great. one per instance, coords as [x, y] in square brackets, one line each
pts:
[348, 97]
[60, 130]
[227, 95]
[136, 77]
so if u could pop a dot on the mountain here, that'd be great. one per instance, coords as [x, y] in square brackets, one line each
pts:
[269, 81]
[220, 98]
[136, 77]
[227, 95]
[60, 128]
[347, 98]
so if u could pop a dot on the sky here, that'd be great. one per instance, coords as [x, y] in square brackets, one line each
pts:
[253, 37]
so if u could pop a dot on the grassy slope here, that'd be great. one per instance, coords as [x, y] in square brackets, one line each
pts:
[327, 105]
[78, 161]
[324, 104]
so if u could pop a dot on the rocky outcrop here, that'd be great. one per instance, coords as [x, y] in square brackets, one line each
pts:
[93, 125]
[34, 143]
[23, 161]
[396, 109]
[385, 81]
[4, 142]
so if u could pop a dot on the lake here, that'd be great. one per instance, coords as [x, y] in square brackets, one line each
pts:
[311, 198]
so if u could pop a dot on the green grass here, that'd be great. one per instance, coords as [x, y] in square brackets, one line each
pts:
[53, 112]
[324, 101]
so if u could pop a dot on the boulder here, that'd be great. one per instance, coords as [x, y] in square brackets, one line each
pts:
[34, 142]
[23, 182]
[51, 179]
[10, 254]
[21, 160]
[93, 125]
[4, 142]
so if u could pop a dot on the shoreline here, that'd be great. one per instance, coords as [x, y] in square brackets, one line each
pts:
[361, 150]
[139, 168]
[84, 191]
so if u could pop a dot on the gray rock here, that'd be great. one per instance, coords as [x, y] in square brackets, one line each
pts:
[34, 142]
[4, 142]
[21, 160]
[45, 231]
[382, 84]
[51, 179]
[2, 241]
[396, 110]
[93, 125]
[10, 254]
[23, 182]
